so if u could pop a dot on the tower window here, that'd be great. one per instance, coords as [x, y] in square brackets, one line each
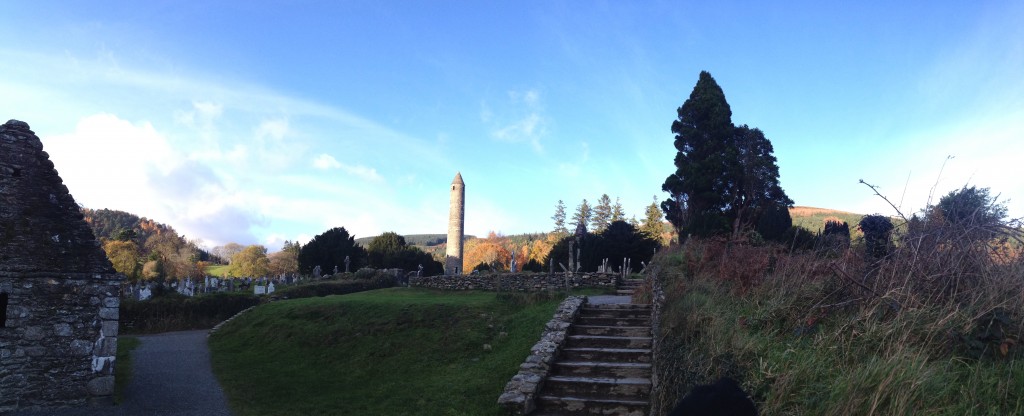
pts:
[3, 309]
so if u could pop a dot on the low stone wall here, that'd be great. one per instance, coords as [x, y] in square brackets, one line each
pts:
[521, 392]
[657, 304]
[516, 282]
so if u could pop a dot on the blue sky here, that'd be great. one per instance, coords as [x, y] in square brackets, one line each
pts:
[256, 122]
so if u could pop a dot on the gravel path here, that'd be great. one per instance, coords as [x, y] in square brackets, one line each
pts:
[171, 377]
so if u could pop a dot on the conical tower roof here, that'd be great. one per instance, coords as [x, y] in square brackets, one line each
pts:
[41, 227]
[458, 179]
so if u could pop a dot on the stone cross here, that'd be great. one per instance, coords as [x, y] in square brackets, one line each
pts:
[347, 261]
[419, 271]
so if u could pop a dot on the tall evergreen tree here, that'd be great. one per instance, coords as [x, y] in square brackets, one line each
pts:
[582, 215]
[559, 218]
[703, 131]
[602, 214]
[725, 176]
[328, 250]
[617, 213]
[754, 180]
[653, 226]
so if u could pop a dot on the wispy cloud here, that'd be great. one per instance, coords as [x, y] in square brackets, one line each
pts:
[325, 161]
[527, 123]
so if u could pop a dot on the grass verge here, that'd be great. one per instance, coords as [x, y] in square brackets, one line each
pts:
[397, 351]
[805, 340]
[123, 367]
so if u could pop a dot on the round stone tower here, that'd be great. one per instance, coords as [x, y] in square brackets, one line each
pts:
[456, 222]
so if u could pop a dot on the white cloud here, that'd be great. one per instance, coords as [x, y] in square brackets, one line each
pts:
[325, 162]
[573, 169]
[363, 172]
[528, 123]
[226, 166]
[108, 162]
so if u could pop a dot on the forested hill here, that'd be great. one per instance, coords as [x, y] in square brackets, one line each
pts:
[110, 224]
[813, 219]
[423, 240]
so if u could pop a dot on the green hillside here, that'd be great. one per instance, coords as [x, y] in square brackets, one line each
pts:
[399, 351]
[813, 219]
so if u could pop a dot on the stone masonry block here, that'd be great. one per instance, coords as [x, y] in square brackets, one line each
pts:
[101, 386]
[108, 313]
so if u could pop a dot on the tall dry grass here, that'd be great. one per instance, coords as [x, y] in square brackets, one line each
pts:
[931, 328]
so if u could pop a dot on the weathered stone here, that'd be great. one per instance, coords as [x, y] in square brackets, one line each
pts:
[108, 313]
[35, 351]
[105, 347]
[101, 386]
[57, 278]
[515, 282]
[108, 328]
[456, 222]
[520, 392]
[34, 333]
[82, 347]
[62, 330]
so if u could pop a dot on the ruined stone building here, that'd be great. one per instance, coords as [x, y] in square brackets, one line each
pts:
[58, 292]
[456, 224]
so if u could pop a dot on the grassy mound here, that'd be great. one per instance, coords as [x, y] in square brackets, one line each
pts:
[813, 335]
[398, 351]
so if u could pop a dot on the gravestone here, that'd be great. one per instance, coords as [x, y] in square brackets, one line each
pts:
[59, 336]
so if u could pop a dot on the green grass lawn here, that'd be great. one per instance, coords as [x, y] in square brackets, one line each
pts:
[219, 270]
[398, 351]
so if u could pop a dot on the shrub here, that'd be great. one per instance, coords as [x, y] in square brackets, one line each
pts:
[179, 313]
[877, 231]
[369, 281]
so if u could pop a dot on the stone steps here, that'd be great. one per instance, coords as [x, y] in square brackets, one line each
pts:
[604, 367]
[622, 355]
[622, 331]
[628, 286]
[641, 313]
[612, 321]
[598, 387]
[605, 341]
[554, 405]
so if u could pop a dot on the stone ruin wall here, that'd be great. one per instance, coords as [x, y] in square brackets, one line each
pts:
[58, 292]
[516, 282]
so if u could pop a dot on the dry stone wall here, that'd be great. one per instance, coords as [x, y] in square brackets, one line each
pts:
[516, 282]
[59, 297]
[520, 394]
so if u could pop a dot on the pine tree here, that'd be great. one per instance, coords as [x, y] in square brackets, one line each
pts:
[559, 218]
[582, 215]
[726, 176]
[755, 185]
[617, 213]
[653, 226]
[602, 214]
